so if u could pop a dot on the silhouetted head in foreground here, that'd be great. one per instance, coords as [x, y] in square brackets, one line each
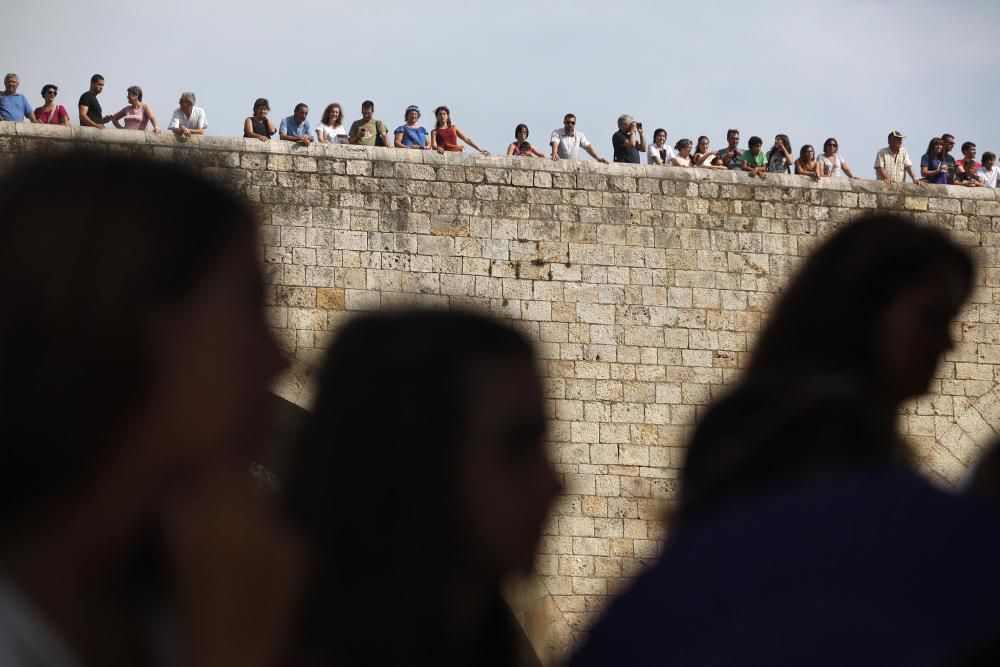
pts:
[874, 302]
[134, 364]
[423, 481]
[863, 325]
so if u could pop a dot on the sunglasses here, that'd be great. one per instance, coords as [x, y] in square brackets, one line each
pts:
[569, 122]
[50, 90]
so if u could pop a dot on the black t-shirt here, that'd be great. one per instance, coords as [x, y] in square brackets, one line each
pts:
[89, 100]
[952, 173]
[624, 153]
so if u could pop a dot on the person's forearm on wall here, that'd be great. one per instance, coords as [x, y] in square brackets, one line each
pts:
[85, 120]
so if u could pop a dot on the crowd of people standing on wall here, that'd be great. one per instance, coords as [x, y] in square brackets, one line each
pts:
[629, 142]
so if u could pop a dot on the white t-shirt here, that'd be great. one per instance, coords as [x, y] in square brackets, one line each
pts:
[653, 150]
[334, 134]
[196, 121]
[569, 146]
[989, 177]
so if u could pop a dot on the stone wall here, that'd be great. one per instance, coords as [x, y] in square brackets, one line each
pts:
[643, 286]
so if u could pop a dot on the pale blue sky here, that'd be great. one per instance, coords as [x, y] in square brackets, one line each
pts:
[850, 69]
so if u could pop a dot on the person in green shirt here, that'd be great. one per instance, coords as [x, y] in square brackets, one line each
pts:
[367, 131]
[755, 160]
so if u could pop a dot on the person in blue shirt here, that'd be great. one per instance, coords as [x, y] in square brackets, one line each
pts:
[933, 167]
[409, 135]
[13, 105]
[297, 127]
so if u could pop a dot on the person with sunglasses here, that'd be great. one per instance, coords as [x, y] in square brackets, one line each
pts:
[834, 166]
[50, 112]
[566, 142]
[949, 159]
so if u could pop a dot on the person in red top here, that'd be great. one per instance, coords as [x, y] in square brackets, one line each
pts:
[966, 168]
[445, 136]
[50, 112]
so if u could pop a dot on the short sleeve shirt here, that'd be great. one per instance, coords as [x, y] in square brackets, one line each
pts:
[950, 161]
[989, 176]
[196, 121]
[933, 163]
[568, 145]
[758, 160]
[289, 126]
[334, 135]
[666, 154]
[894, 166]
[413, 136]
[374, 128]
[969, 173]
[778, 163]
[94, 112]
[734, 162]
[623, 153]
[14, 107]
[56, 116]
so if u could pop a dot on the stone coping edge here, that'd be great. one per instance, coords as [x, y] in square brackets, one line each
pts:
[433, 159]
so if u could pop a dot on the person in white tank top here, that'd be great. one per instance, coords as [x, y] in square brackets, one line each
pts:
[833, 165]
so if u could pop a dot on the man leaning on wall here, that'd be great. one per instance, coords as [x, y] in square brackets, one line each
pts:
[566, 142]
[188, 119]
[892, 163]
[91, 114]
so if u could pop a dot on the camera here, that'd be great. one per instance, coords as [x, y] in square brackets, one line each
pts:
[638, 125]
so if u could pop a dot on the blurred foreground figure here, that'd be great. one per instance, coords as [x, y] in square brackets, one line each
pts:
[866, 319]
[802, 536]
[422, 482]
[134, 367]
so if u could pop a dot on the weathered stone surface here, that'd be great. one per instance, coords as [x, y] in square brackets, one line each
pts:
[644, 287]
